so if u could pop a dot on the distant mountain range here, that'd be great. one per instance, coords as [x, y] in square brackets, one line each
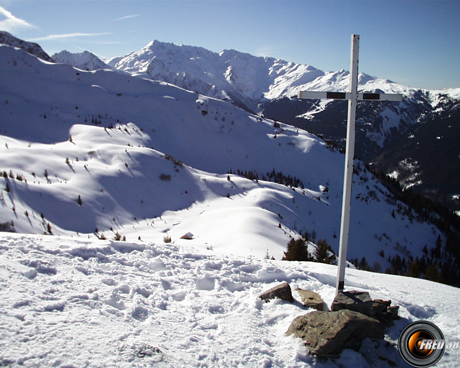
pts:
[268, 86]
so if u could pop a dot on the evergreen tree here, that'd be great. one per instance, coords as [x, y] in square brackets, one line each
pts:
[297, 250]
[414, 269]
[324, 252]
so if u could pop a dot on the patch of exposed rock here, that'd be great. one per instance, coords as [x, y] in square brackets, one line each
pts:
[354, 317]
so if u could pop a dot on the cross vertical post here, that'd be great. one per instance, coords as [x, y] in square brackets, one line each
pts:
[353, 97]
[349, 155]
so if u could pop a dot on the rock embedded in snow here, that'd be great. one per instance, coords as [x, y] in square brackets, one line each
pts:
[187, 236]
[361, 302]
[282, 291]
[311, 299]
[326, 334]
[357, 301]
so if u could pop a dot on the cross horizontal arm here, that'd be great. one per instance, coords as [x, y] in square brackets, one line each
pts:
[314, 95]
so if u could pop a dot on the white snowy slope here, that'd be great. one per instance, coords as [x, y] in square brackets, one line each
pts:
[74, 302]
[131, 180]
[84, 60]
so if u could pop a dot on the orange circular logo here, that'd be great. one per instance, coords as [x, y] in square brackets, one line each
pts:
[421, 344]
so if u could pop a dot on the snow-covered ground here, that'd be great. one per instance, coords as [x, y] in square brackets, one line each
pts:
[74, 302]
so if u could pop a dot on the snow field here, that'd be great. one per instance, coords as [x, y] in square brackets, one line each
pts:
[78, 303]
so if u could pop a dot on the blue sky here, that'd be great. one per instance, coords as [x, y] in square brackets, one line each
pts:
[413, 42]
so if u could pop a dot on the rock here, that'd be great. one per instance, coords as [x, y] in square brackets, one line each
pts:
[282, 291]
[326, 334]
[388, 316]
[380, 306]
[311, 299]
[362, 302]
[188, 236]
[358, 301]
[380, 309]
[393, 311]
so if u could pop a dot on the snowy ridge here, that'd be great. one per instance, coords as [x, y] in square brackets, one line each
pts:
[253, 83]
[256, 78]
[31, 47]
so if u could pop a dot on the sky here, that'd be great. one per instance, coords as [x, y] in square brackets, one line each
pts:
[412, 42]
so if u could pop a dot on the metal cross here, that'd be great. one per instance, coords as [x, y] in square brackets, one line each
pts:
[353, 97]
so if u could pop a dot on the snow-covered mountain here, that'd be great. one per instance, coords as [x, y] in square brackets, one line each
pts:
[240, 77]
[85, 60]
[268, 85]
[148, 159]
[31, 47]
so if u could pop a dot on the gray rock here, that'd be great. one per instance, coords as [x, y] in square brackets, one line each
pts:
[326, 334]
[380, 306]
[388, 316]
[393, 311]
[311, 299]
[282, 291]
[358, 301]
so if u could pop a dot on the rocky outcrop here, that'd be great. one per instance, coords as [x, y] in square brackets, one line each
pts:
[357, 301]
[354, 317]
[282, 291]
[361, 302]
[326, 334]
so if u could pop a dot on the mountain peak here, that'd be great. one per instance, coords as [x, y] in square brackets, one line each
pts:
[153, 44]
[84, 60]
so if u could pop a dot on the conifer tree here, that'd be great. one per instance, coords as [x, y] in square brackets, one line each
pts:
[324, 253]
[297, 250]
